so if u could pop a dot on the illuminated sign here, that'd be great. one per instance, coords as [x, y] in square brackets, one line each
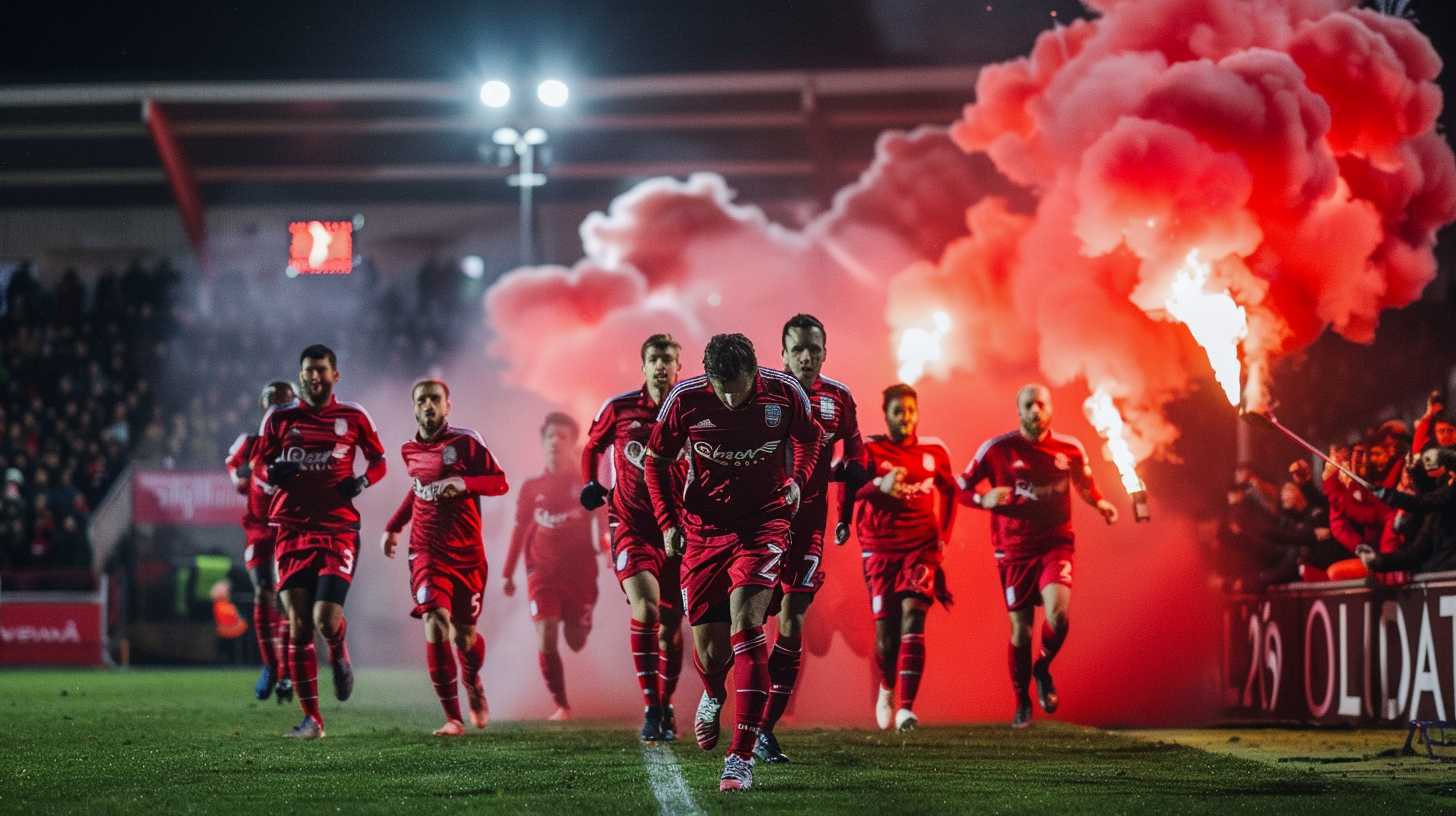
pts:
[320, 247]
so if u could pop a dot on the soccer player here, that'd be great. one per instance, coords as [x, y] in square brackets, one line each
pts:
[554, 533]
[1031, 473]
[450, 469]
[269, 626]
[648, 577]
[903, 518]
[306, 450]
[804, 347]
[731, 522]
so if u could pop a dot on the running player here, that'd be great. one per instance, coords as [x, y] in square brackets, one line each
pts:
[305, 450]
[554, 534]
[903, 519]
[1031, 473]
[648, 577]
[450, 469]
[270, 627]
[731, 522]
[804, 346]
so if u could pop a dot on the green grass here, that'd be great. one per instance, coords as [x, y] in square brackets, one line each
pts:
[190, 741]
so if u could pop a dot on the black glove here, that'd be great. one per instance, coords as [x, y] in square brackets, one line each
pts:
[242, 472]
[593, 496]
[280, 472]
[349, 488]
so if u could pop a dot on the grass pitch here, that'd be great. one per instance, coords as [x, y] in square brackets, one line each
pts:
[194, 741]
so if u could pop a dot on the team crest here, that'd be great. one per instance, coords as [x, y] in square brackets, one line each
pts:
[1062, 462]
[928, 462]
[826, 407]
[772, 415]
[341, 426]
[449, 456]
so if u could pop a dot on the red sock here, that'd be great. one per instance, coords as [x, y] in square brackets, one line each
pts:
[912, 665]
[1052, 640]
[338, 649]
[284, 648]
[783, 673]
[1018, 659]
[645, 659]
[264, 627]
[555, 677]
[716, 683]
[750, 676]
[669, 668]
[441, 665]
[305, 679]
[472, 658]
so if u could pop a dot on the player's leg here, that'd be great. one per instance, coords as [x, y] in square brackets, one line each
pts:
[910, 663]
[881, 571]
[467, 597]
[644, 600]
[440, 663]
[1056, 601]
[1019, 662]
[783, 670]
[576, 620]
[748, 606]
[328, 617]
[548, 637]
[712, 657]
[669, 640]
[298, 604]
[265, 618]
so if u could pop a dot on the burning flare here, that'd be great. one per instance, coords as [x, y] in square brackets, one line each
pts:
[1104, 417]
[919, 348]
[1216, 321]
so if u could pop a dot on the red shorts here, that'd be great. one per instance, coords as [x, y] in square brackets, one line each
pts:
[716, 562]
[458, 590]
[258, 555]
[890, 575]
[635, 551]
[567, 598]
[302, 558]
[801, 572]
[1024, 578]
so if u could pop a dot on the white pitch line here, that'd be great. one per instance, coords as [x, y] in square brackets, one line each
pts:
[668, 784]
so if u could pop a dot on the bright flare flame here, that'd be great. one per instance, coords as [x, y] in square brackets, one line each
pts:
[1216, 321]
[919, 348]
[1104, 417]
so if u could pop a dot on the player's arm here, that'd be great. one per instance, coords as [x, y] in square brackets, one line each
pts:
[485, 476]
[518, 543]
[266, 449]
[1087, 487]
[373, 453]
[238, 467]
[598, 438]
[666, 442]
[806, 438]
[945, 485]
[977, 473]
[402, 515]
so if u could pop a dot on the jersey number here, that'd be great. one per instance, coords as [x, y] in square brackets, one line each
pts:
[808, 579]
[348, 556]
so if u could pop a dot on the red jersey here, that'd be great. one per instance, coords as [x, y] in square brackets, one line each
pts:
[552, 530]
[1041, 474]
[257, 490]
[322, 441]
[624, 423]
[907, 518]
[834, 409]
[737, 457]
[447, 529]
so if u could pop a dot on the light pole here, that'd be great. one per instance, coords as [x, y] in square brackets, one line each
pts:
[519, 147]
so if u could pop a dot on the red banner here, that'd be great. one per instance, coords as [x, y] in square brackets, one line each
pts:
[36, 632]
[186, 498]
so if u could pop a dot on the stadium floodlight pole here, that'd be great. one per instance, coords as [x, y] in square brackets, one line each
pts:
[1267, 420]
[522, 147]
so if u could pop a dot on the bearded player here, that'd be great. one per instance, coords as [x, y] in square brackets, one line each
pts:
[1031, 473]
[647, 576]
[450, 469]
[731, 522]
[804, 347]
[903, 518]
[270, 627]
[554, 533]
[306, 450]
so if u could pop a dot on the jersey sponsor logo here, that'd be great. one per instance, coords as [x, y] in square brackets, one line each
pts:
[773, 414]
[1061, 462]
[827, 408]
[449, 456]
[341, 426]
[426, 492]
[735, 458]
[1034, 492]
[548, 519]
[928, 462]
[309, 460]
[702, 424]
[635, 452]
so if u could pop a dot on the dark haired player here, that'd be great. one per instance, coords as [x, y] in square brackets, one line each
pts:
[805, 345]
[903, 519]
[647, 576]
[1032, 472]
[555, 535]
[450, 469]
[270, 627]
[731, 522]
[305, 449]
